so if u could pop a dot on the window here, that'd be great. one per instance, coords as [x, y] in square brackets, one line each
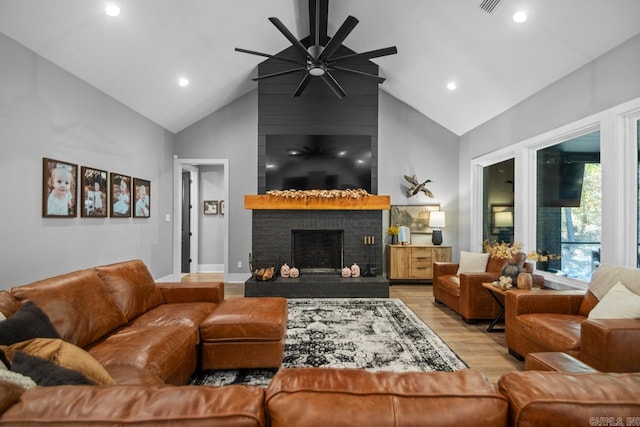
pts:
[638, 181]
[498, 197]
[568, 206]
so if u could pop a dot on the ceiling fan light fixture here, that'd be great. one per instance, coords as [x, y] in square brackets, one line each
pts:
[317, 70]
[112, 9]
[520, 17]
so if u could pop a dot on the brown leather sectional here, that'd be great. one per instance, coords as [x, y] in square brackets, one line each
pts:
[148, 337]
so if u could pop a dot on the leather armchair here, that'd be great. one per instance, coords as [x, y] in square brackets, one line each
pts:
[464, 293]
[557, 321]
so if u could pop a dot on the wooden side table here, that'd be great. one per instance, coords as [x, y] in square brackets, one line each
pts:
[498, 295]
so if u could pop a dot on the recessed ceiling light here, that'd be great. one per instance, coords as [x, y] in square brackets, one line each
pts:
[182, 82]
[112, 9]
[520, 17]
[452, 85]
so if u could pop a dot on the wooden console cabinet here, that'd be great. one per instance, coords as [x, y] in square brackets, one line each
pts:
[414, 262]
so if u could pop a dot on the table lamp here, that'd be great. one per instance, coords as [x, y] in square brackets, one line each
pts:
[404, 235]
[503, 221]
[436, 221]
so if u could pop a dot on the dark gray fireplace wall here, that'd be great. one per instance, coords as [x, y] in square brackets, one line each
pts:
[271, 241]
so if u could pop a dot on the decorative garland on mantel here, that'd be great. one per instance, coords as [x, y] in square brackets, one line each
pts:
[320, 194]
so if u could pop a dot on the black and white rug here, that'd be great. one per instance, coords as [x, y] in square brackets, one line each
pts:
[371, 333]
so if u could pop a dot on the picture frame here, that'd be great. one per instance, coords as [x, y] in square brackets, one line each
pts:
[210, 207]
[59, 189]
[221, 208]
[94, 184]
[119, 195]
[416, 217]
[494, 209]
[142, 197]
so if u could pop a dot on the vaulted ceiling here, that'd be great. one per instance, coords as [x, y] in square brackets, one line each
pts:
[138, 56]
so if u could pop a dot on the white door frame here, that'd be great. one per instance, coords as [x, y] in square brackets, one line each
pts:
[190, 164]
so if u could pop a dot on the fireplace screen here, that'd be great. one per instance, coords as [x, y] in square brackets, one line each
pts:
[317, 250]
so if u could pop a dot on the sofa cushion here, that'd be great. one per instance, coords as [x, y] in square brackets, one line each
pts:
[44, 372]
[356, 397]
[471, 262]
[28, 322]
[588, 302]
[77, 304]
[182, 314]
[618, 303]
[450, 283]
[16, 378]
[66, 355]
[132, 287]
[161, 351]
[558, 332]
[606, 276]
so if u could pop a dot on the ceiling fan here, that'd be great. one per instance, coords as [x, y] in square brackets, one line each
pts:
[317, 60]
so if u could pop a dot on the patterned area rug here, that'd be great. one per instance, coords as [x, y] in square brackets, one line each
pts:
[370, 333]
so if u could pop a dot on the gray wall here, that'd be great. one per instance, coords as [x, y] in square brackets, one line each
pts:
[609, 80]
[47, 112]
[211, 230]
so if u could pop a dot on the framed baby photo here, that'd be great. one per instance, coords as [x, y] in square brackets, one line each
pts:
[94, 185]
[142, 204]
[119, 195]
[210, 207]
[59, 189]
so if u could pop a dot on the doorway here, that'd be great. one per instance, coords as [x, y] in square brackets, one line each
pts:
[186, 215]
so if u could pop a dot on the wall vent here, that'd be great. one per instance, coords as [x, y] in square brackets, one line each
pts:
[489, 5]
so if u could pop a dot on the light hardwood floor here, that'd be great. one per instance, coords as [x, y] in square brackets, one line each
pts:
[478, 348]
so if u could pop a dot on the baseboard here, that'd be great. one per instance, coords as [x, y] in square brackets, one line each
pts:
[210, 268]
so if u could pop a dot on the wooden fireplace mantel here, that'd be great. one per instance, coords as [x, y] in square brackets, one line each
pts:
[370, 202]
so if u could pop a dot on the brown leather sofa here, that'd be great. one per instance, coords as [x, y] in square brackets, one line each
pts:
[556, 321]
[464, 293]
[143, 332]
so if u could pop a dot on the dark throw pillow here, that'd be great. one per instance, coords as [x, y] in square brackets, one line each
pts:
[27, 323]
[46, 373]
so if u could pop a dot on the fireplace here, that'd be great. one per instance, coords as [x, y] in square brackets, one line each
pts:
[317, 251]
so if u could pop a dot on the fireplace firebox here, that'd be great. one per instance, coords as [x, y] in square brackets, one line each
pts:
[317, 251]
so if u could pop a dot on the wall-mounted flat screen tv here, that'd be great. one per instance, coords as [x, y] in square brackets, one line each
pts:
[318, 162]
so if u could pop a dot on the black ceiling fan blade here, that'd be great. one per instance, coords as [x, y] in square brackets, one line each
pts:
[318, 17]
[376, 53]
[294, 41]
[333, 85]
[302, 86]
[360, 73]
[347, 26]
[280, 73]
[266, 55]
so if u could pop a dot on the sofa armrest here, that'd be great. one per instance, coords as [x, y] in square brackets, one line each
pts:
[444, 268]
[611, 345]
[518, 302]
[192, 292]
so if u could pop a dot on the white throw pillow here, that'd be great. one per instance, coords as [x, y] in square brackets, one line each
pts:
[472, 262]
[618, 303]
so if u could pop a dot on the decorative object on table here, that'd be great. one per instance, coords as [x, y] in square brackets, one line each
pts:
[502, 250]
[346, 272]
[355, 270]
[294, 272]
[542, 258]
[392, 231]
[504, 283]
[210, 207]
[416, 217]
[369, 246]
[404, 235]
[512, 270]
[285, 270]
[59, 189]
[437, 223]
[525, 281]
[417, 186]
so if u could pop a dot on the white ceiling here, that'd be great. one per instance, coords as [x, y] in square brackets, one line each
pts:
[138, 56]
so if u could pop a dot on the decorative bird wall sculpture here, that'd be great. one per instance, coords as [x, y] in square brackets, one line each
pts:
[417, 186]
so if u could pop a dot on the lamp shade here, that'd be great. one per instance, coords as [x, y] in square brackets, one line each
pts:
[404, 234]
[504, 219]
[436, 219]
